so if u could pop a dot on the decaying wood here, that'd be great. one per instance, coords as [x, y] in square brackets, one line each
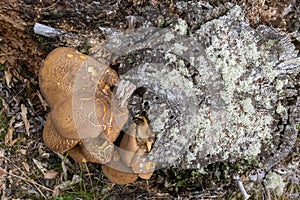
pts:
[227, 91]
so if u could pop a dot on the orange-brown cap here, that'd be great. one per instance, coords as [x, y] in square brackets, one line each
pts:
[54, 140]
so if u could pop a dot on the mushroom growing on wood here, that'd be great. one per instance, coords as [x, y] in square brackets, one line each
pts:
[62, 132]
[135, 144]
[87, 116]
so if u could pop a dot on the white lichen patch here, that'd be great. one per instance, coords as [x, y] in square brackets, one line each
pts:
[181, 27]
[279, 84]
[241, 126]
[247, 106]
[173, 80]
[168, 37]
[180, 49]
[158, 124]
[275, 182]
[223, 105]
[280, 109]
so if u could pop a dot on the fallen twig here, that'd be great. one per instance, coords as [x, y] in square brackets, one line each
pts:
[47, 31]
[241, 186]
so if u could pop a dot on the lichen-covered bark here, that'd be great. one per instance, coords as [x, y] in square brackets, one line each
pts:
[226, 91]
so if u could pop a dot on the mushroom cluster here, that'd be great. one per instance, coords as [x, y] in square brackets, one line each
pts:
[87, 116]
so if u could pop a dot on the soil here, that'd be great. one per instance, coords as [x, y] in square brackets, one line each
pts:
[29, 170]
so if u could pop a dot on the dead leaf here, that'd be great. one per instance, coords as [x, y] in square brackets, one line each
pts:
[24, 118]
[2, 172]
[50, 174]
[66, 184]
[26, 166]
[9, 133]
[8, 77]
[23, 151]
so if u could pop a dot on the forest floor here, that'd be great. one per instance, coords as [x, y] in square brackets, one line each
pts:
[29, 170]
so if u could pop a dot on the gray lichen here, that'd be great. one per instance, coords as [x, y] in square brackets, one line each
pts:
[225, 91]
[275, 182]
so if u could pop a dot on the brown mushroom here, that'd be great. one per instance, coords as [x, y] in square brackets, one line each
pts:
[118, 173]
[135, 143]
[54, 140]
[98, 150]
[56, 76]
[57, 84]
[77, 154]
[138, 138]
[70, 119]
[141, 165]
[128, 145]
[145, 136]
[62, 118]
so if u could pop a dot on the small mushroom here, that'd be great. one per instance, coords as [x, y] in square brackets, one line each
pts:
[139, 137]
[145, 136]
[128, 145]
[135, 144]
[118, 173]
[142, 166]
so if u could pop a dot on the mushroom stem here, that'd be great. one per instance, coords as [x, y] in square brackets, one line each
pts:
[241, 186]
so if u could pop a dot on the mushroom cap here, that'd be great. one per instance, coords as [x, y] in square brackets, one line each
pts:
[98, 150]
[106, 118]
[111, 116]
[142, 166]
[117, 176]
[54, 141]
[56, 76]
[85, 127]
[62, 119]
[128, 145]
[77, 154]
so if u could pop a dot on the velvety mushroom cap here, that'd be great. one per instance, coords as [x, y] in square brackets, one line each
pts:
[57, 74]
[62, 118]
[117, 176]
[54, 140]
